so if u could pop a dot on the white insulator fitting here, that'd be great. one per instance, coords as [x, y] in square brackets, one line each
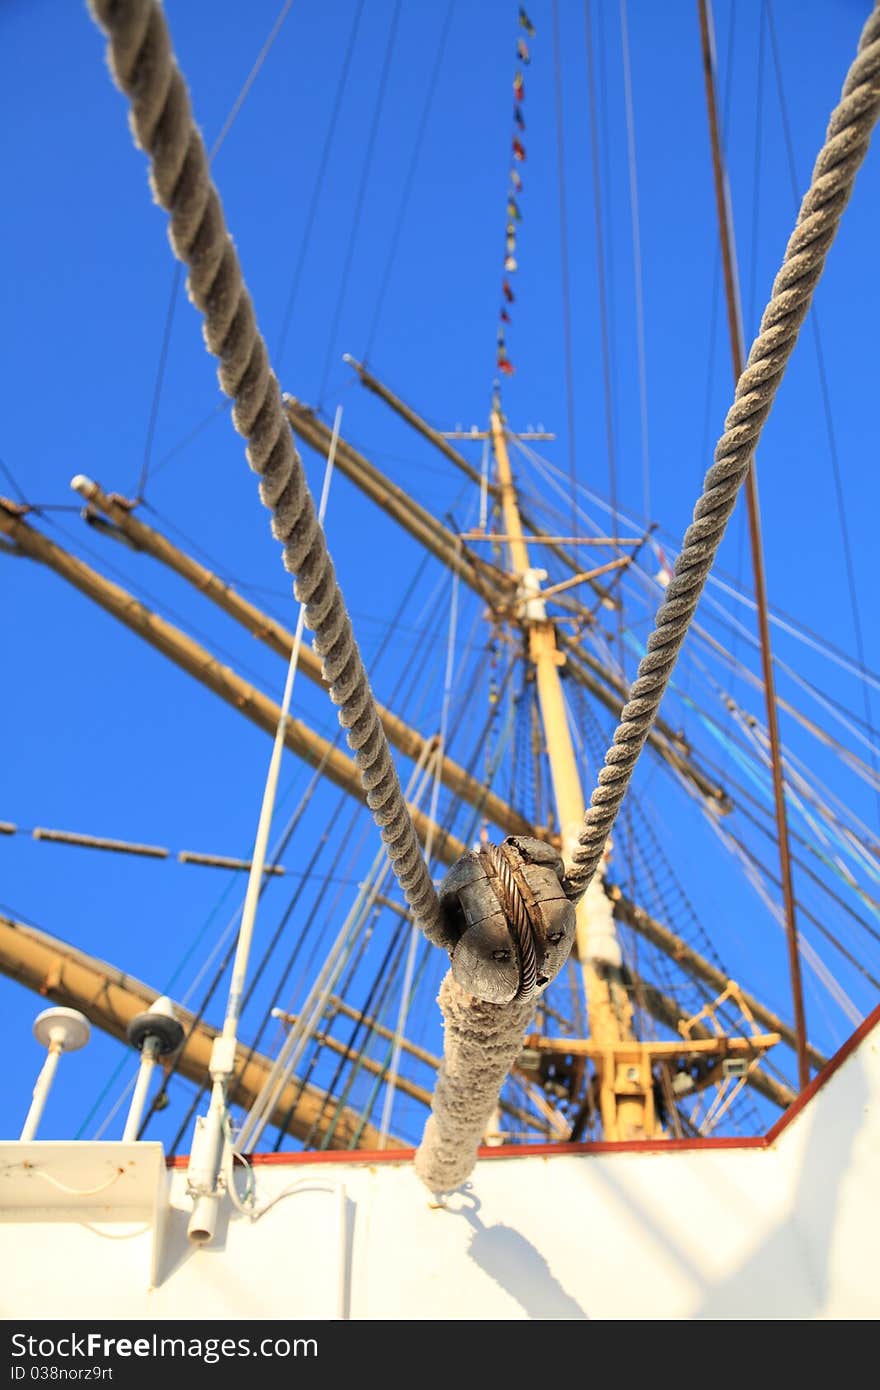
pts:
[222, 1059]
[533, 607]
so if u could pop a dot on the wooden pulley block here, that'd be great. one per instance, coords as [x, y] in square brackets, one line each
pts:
[508, 916]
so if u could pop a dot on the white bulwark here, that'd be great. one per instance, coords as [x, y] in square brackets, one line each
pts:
[783, 1227]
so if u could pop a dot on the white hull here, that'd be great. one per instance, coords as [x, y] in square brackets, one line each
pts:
[784, 1229]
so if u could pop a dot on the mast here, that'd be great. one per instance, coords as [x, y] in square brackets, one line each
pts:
[737, 353]
[440, 441]
[489, 583]
[257, 707]
[624, 1102]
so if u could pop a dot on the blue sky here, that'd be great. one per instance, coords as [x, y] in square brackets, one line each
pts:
[102, 734]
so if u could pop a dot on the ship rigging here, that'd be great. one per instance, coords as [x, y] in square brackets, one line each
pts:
[644, 1033]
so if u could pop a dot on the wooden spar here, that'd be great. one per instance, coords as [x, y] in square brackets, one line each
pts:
[375, 1068]
[667, 1012]
[199, 662]
[400, 908]
[474, 433]
[280, 640]
[444, 543]
[737, 353]
[72, 837]
[699, 968]
[101, 842]
[641, 1058]
[111, 998]
[490, 583]
[420, 1053]
[607, 542]
[657, 1004]
[421, 425]
[585, 575]
[408, 740]
[407, 413]
[225, 861]
[369, 1064]
[610, 1015]
[697, 1047]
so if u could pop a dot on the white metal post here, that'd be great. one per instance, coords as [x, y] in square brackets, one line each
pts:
[206, 1159]
[141, 1088]
[41, 1091]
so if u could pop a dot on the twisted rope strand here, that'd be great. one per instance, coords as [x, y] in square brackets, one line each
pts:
[846, 143]
[480, 1045]
[143, 66]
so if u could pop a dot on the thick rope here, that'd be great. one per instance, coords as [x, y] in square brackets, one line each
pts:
[482, 1040]
[481, 1043]
[849, 132]
[143, 65]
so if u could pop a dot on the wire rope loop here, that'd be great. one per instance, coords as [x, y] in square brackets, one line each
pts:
[506, 912]
[516, 912]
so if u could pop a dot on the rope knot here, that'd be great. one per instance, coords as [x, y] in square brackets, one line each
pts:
[507, 914]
